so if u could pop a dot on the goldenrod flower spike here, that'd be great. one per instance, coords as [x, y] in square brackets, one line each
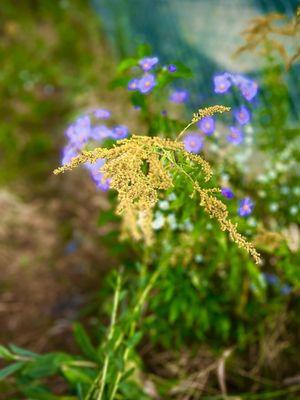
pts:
[139, 167]
[204, 112]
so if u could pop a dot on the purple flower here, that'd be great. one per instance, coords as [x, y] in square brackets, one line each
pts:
[242, 115]
[101, 113]
[245, 207]
[133, 84]
[101, 132]
[79, 132]
[120, 132]
[207, 125]
[146, 83]
[164, 113]
[172, 68]
[222, 83]
[193, 142]
[227, 192]
[178, 96]
[236, 136]
[97, 175]
[148, 63]
[247, 87]
[285, 289]
[272, 279]
[69, 152]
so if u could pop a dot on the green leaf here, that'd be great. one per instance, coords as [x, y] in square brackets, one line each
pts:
[5, 353]
[76, 375]
[10, 369]
[144, 50]
[118, 82]
[41, 393]
[22, 352]
[46, 365]
[84, 341]
[134, 340]
[107, 217]
[126, 64]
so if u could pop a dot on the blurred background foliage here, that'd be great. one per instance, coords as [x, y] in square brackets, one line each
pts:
[212, 304]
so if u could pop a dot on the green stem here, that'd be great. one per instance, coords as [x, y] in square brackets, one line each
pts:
[101, 378]
[184, 129]
[136, 309]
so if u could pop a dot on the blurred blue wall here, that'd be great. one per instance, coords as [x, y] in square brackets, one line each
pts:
[203, 34]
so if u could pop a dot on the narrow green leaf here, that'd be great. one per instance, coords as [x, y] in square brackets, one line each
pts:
[76, 375]
[84, 342]
[22, 352]
[5, 353]
[10, 369]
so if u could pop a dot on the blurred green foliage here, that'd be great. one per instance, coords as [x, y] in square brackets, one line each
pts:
[51, 58]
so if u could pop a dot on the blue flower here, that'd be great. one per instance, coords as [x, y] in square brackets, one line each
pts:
[247, 86]
[178, 96]
[193, 142]
[227, 192]
[133, 84]
[148, 63]
[172, 68]
[271, 279]
[146, 83]
[242, 115]
[285, 289]
[79, 132]
[245, 207]
[97, 176]
[120, 132]
[207, 125]
[101, 113]
[101, 132]
[69, 152]
[222, 83]
[236, 136]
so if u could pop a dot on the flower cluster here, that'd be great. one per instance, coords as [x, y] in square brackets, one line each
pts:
[147, 81]
[86, 129]
[246, 205]
[247, 87]
[273, 280]
[194, 141]
[242, 115]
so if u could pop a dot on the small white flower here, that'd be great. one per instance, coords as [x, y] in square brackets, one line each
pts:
[248, 140]
[249, 129]
[272, 174]
[163, 205]
[252, 221]
[172, 196]
[285, 190]
[158, 221]
[172, 221]
[225, 177]
[280, 167]
[198, 258]
[293, 210]
[296, 190]
[214, 147]
[188, 226]
[274, 207]
[262, 178]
